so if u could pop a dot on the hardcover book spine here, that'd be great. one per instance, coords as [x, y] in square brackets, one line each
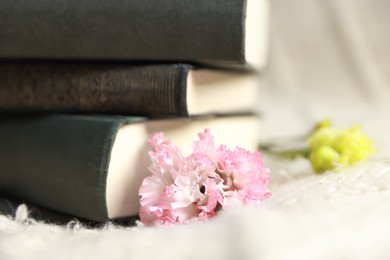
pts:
[59, 162]
[170, 30]
[149, 90]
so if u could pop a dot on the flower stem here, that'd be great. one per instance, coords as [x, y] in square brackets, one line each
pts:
[290, 153]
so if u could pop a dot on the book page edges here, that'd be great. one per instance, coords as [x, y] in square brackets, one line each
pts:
[257, 25]
[221, 92]
[130, 161]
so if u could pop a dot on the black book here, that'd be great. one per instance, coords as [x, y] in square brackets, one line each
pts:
[159, 90]
[217, 32]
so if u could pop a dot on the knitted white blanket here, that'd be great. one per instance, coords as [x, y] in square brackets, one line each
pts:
[342, 215]
[328, 59]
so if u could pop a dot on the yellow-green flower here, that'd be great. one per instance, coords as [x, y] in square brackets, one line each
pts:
[331, 147]
[326, 147]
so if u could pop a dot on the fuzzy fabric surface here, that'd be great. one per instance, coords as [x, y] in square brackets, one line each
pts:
[328, 59]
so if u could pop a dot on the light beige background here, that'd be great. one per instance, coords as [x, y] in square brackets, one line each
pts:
[328, 58]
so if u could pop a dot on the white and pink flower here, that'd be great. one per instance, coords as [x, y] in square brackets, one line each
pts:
[197, 186]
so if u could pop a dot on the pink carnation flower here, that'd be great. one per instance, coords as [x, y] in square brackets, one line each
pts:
[197, 186]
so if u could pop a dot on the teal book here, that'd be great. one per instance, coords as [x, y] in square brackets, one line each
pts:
[91, 167]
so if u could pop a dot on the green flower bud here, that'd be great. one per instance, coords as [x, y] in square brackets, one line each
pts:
[354, 145]
[323, 158]
[323, 124]
[323, 136]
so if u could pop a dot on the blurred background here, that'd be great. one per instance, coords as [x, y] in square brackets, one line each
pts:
[328, 59]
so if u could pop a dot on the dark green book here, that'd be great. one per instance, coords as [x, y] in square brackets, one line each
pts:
[92, 166]
[160, 90]
[218, 32]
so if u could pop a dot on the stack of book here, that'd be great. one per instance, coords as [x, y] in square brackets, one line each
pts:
[84, 84]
